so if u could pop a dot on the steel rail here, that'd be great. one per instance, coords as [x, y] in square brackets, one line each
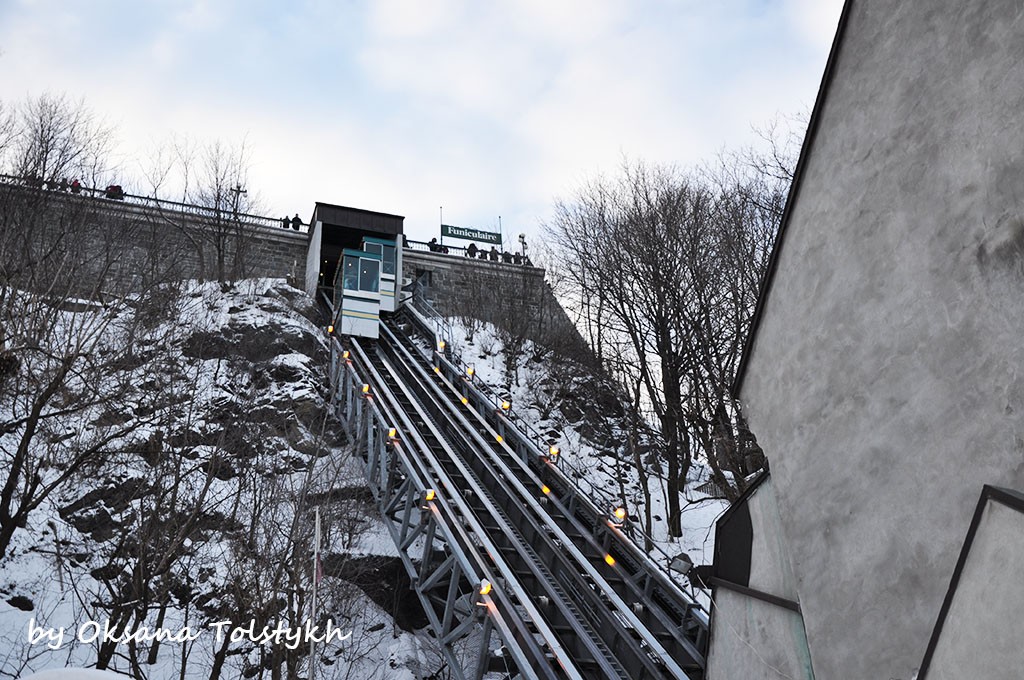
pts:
[483, 396]
[451, 530]
[465, 547]
[686, 650]
[686, 606]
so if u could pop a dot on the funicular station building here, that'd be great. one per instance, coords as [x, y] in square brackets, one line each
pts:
[377, 260]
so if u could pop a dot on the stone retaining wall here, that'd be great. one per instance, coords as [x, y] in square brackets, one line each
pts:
[511, 296]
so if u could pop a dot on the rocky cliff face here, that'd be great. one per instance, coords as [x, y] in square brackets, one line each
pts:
[197, 457]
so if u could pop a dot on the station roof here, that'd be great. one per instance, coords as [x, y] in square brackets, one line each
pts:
[357, 218]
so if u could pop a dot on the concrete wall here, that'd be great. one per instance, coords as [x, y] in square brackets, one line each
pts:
[886, 382]
[751, 638]
[984, 628]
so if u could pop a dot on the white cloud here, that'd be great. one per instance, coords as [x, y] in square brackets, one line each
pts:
[568, 22]
[404, 105]
[413, 18]
[201, 15]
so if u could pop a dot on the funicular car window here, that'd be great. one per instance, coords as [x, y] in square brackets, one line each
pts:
[369, 275]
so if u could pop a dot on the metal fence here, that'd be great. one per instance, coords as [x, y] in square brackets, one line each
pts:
[114, 198]
[500, 257]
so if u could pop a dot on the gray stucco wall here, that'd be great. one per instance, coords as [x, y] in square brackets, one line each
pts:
[752, 639]
[886, 382]
[984, 628]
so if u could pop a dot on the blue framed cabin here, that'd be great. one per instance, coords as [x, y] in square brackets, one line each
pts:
[390, 251]
[358, 280]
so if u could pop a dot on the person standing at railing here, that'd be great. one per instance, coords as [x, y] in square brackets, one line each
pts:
[76, 186]
[471, 250]
[296, 222]
[494, 254]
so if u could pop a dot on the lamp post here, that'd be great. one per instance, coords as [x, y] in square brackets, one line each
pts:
[238, 190]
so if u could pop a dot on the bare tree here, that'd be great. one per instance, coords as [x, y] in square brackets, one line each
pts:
[221, 187]
[52, 138]
[210, 182]
[62, 259]
[665, 268]
[8, 127]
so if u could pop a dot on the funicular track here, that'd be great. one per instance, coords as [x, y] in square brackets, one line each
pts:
[456, 552]
[569, 588]
[573, 604]
[663, 604]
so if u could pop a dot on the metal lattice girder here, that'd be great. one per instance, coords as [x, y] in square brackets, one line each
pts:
[395, 499]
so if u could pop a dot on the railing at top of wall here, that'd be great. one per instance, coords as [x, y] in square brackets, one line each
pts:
[139, 201]
[482, 254]
[442, 329]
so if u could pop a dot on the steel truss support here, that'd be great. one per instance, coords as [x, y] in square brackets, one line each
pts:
[434, 548]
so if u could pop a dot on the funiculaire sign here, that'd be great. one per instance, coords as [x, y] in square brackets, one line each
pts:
[470, 234]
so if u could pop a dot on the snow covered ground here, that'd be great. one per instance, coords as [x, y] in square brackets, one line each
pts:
[200, 504]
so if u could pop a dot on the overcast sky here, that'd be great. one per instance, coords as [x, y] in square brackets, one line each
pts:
[486, 108]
